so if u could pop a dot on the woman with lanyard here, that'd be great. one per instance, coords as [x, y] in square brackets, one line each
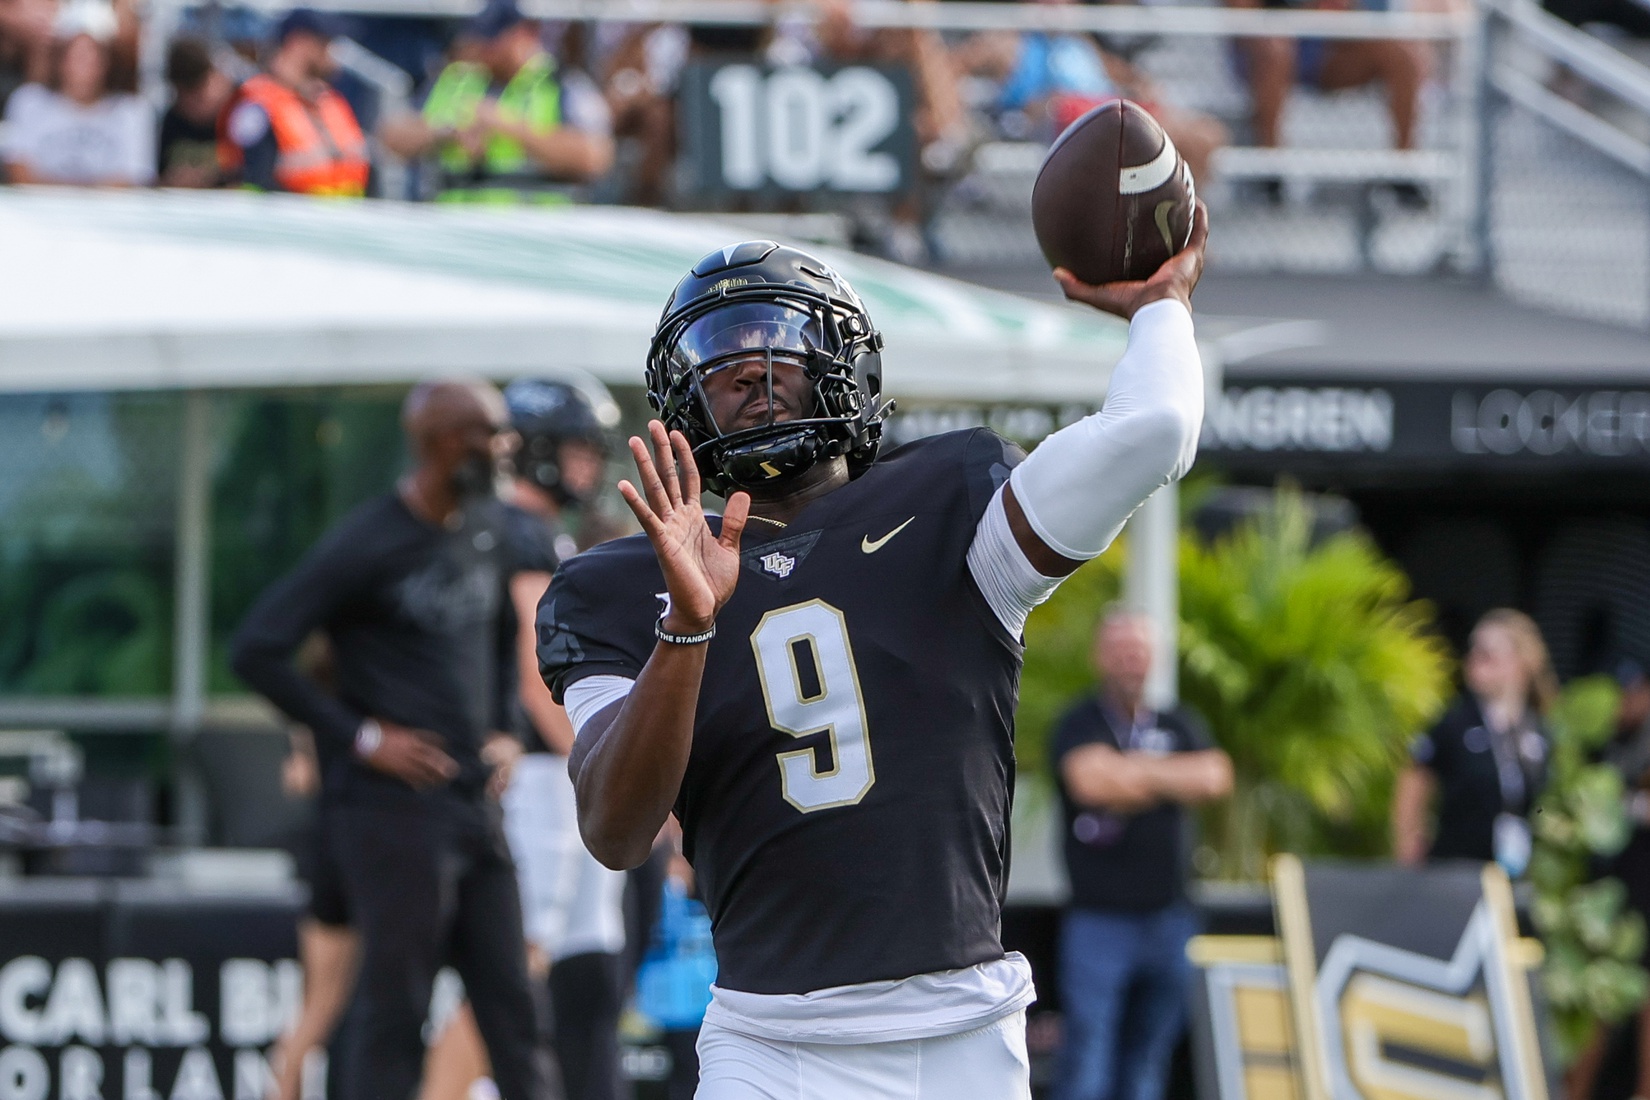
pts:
[1486, 758]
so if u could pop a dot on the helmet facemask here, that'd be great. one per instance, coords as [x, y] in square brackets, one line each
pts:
[837, 353]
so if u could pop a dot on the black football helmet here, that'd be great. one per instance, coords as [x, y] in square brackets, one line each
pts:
[769, 299]
[547, 412]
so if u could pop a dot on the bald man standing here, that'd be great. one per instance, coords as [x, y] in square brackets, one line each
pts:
[412, 588]
[1127, 774]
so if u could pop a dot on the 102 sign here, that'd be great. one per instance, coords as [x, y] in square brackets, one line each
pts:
[748, 128]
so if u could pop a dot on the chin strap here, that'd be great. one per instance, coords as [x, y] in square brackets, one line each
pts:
[771, 460]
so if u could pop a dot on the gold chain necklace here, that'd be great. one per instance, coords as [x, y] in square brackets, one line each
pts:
[765, 519]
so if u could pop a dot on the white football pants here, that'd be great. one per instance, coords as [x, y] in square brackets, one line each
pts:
[570, 903]
[988, 1063]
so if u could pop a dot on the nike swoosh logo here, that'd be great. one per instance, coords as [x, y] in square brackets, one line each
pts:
[870, 547]
[1161, 215]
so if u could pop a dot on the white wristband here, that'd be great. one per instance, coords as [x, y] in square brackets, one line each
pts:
[368, 737]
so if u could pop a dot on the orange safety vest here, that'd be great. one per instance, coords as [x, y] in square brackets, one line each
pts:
[321, 150]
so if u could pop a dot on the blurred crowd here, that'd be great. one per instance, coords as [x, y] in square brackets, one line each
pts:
[505, 108]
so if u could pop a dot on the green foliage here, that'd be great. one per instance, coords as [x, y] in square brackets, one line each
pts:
[86, 514]
[1314, 669]
[1059, 640]
[88, 509]
[291, 464]
[1057, 669]
[106, 633]
[1309, 662]
[1593, 944]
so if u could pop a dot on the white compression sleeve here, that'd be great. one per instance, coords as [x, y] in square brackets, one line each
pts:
[1083, 482]
[590, 696]
[1009, 582]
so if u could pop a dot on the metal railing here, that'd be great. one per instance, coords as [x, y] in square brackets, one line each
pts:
[1585, 56]
[1564, 211]
[971, 16]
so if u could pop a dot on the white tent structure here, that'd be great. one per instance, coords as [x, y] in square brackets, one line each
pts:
[216, 291]
[191, 291]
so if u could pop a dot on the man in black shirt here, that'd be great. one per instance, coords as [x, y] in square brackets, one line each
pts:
[412, 590]
[188, 145]
[1126, 773]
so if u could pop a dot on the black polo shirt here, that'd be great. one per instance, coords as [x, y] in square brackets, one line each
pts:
[1133, 862]
[1482, 773]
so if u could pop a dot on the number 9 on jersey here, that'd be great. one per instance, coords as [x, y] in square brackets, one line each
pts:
[811, 686]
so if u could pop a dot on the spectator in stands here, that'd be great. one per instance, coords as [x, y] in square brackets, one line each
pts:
[1126, 773]
[1272, 67]
[25, 44]
[286, 128]
[74, 130]
[1486, 758]
[638, 65]
[504, 124]
[944, 128]
[941, 118]
[1049, 80]
[188, 147]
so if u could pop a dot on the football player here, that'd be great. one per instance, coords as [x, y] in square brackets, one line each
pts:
[574, 906]
[821, 682]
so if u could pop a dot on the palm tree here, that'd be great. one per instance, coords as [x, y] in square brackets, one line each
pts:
[1315, 670]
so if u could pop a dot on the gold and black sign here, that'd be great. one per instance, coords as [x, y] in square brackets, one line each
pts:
[1385, 984]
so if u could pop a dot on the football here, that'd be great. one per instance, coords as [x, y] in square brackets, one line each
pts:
[1114, 198]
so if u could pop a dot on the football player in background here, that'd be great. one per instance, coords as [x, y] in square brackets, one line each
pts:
[821, 682]
[573, 906]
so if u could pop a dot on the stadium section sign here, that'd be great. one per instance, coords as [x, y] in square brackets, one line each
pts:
[779, 133]
[1385, 984]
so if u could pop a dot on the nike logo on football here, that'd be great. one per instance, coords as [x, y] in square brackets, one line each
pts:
[1161, 215]
[871, 546]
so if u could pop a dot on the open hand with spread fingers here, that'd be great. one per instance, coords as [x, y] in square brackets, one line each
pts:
[701, 568]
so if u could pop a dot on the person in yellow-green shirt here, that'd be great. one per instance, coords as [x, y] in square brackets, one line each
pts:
[501, 123]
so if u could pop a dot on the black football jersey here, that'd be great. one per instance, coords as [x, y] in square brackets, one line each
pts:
[846, 800]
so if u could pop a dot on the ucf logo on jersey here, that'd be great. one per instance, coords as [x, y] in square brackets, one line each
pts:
[780, 565]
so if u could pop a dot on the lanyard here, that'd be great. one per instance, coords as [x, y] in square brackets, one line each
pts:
[1509, 764]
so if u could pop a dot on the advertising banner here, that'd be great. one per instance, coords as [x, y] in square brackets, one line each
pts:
[1399, 421]
[1385, 983]
[111, 993]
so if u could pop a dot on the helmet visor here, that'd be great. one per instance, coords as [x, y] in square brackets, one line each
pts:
[746, 327]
